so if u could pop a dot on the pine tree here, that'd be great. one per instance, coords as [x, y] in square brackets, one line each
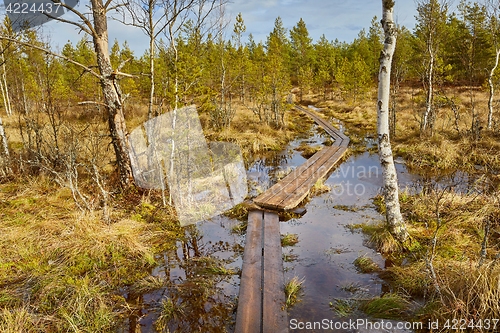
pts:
[277, 78]
[301, 57]
[324, 65]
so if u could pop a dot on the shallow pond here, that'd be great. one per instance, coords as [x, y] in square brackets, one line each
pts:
[199, 296]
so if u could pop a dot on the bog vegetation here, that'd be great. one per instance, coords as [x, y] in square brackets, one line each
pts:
[79, 242]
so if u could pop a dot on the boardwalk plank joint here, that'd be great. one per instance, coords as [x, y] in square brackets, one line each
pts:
[261, 303]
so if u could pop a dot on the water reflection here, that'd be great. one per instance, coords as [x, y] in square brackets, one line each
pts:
[199, 277]
[200, 273]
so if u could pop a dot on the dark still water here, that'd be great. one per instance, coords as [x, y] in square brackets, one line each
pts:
[199, 297]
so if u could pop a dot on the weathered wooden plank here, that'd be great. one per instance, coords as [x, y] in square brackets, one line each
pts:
[276, 188]
[290, 195]
[249, 314]
[274, 319]
[292, 181]
[340, 138]
[296, 198]
[304, 177]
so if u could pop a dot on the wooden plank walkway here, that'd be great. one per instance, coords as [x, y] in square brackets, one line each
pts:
[291, 190]
[261, 302]
[341, 139]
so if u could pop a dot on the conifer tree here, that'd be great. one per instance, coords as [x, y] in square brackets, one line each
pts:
[301, 59]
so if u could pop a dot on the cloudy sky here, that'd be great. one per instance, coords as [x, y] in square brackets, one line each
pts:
[337, 19]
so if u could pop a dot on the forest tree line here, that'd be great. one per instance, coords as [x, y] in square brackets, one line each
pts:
[218, 69]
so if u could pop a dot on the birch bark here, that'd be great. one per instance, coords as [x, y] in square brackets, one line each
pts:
[492, 89]
[4, 152]
[390, 188]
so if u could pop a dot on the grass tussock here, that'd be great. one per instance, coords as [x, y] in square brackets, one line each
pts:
[366, 264]
[65, 269]
[387, 306]
[466, 295]
[19, 319]
[344, 307]
[307, 151]
[457, 267]
[319, 188]
[289, 240]
[293, 289]
[379, 237]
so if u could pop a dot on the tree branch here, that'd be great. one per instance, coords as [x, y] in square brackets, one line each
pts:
[85, 20]
[86, 68]
[92, 102]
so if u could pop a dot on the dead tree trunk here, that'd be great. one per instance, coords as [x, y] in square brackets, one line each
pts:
[112, 93]
[390, 189]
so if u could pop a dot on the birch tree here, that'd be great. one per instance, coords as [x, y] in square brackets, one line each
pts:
[431, 22]
[390, 189]
[494, 29]
[156, 17]
[3, 82]
[4, 152]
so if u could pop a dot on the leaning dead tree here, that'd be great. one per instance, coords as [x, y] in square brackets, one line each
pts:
[95, 24]
[390, 188]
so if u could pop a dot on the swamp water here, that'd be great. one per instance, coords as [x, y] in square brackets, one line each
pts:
[201, 273]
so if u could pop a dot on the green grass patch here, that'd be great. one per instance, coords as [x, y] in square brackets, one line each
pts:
[344, 307]
[289, 240]
[293, 289]
[365, 264]
[388, 306]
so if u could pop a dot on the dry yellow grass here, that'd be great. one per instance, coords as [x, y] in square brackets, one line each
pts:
[254, 137]
[61, 269]
[64, 269]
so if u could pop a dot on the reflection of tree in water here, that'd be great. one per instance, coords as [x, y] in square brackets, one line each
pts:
[193, 299]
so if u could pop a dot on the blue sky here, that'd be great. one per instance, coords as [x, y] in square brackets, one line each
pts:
[337, 19]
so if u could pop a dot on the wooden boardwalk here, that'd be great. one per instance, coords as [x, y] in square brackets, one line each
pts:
[291, 190]
[261, 303]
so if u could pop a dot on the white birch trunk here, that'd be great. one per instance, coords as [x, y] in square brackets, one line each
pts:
[492, 89]
[5, 88]
[4, 152]
[430, 91]
[151, 32]
[390, 188]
